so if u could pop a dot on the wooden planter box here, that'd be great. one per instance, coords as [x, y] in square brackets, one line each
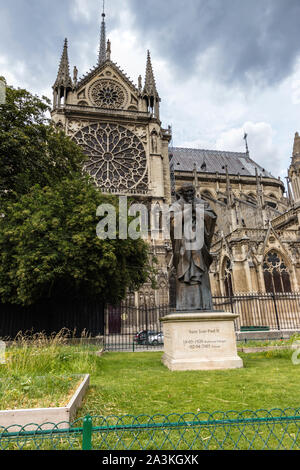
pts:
[42, 416]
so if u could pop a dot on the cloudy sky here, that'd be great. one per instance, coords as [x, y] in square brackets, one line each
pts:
[222, 66]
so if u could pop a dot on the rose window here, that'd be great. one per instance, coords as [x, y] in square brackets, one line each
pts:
[117, 158]
[107, 94]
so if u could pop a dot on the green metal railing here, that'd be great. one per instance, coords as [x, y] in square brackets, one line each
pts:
[260, 430]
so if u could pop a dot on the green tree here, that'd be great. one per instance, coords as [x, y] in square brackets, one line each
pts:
[48, 242]
[49, 247]
[32, 151]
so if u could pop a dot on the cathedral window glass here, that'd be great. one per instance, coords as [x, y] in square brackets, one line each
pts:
[107, 94]
[272, 204]
[117, 158]
[163, 294]
[276, 274]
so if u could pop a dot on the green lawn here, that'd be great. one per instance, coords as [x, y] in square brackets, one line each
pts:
[43, 372]
[137, 383]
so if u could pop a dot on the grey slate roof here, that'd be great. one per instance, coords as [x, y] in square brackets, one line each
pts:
[215, 160]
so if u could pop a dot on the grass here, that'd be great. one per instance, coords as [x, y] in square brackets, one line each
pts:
[264, 343]
[23, 392]
[129, 383]
[138, 384]
[43, 372]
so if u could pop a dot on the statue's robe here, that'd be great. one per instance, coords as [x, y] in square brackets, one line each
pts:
[193, 290]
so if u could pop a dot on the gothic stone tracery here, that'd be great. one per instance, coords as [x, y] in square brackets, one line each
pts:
[107, 94]
[117, 157]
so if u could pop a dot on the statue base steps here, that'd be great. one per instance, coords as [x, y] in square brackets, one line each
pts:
[200, 341]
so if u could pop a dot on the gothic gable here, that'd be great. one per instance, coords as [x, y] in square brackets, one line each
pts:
[107, 86]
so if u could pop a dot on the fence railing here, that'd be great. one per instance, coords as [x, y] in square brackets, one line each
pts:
[134, 328]
[259, 430]
[274, 311]
[128, 328]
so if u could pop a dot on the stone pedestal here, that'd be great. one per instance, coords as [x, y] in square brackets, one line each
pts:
[200, 341]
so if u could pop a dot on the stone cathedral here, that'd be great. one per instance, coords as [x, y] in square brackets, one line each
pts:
[256, 246]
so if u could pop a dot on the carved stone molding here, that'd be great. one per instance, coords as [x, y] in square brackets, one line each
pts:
[117, 157]
[108, 94]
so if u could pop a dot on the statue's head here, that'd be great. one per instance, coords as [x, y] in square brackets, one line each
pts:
[187, 191]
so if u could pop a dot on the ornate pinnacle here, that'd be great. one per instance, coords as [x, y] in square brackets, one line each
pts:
[108, 50]
[196, 180]
[63, 77]
[150, 85]
[140, 83]
[246, 142]
[259, 189]
[228, 188]
[296, 148]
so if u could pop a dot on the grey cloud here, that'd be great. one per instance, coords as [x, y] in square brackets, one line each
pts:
[257, 40]
[253, 41]
[33, 31]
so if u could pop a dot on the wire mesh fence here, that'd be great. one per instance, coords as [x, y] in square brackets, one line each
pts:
[276, 429]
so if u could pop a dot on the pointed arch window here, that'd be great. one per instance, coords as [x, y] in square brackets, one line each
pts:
[276, 274]
[163, 293]
[228, 278]
[157, 217]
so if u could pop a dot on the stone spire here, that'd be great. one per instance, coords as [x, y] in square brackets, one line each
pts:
[150, 85]
[102, 49]
[296, 146]
[294, 170]
[63, 77]
[246, 143]
[150, 92]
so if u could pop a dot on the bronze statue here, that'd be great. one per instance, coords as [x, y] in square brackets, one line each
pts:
[192, 262]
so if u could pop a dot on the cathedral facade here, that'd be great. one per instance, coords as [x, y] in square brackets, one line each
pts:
[257, 239]
[256, 246]
[118, 126]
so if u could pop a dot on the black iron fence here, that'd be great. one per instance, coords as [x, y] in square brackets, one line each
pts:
[128, 328]
[131, 328]
[263, 311]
